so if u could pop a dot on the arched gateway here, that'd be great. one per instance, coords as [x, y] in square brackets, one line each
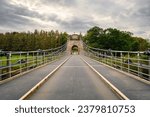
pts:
[75, 49]
[74, 44]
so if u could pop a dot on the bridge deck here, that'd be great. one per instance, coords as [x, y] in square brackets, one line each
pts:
[132, 88]
[75, 80]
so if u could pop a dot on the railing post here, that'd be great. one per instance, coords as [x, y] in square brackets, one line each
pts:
[138, 57]
[87, 53]
[99, 55]
[149, 67]
[46, 53]
[27, 54]
[128, 62]
[52, 55]
[102, 53]
[37, 59]
[105, 58]
[111, 58]
[9, 63]
[115, 58]
[33, 59]
[0, 70]
[60, 53]
[43, 57]
[20, 64]
[121, 61]
[95, 54]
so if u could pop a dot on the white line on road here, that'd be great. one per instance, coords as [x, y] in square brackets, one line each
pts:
[117, 91]
[42, 81]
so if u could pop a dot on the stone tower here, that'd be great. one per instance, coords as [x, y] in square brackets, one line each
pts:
[74, 43]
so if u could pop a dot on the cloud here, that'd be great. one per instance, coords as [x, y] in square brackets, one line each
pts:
[10, 19]
[75, 15]
[67, 3]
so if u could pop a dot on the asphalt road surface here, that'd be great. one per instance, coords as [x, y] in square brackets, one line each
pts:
[132, 88]
[74, 81]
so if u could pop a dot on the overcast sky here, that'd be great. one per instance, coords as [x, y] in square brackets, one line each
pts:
[75, 15]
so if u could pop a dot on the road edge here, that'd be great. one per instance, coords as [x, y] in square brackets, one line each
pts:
[31, 91]
[116, 90]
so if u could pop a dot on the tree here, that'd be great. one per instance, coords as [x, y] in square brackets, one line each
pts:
[114, 39]
[92, 37]
[22, 41]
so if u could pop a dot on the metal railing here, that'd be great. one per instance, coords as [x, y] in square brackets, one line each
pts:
[14, 63]
[133, 62]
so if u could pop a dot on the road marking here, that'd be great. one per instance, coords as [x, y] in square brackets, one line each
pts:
[31, 91]
[74, 66]
[117, 91]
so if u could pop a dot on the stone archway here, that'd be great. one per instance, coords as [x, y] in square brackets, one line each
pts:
[74, 44]
[75, 49]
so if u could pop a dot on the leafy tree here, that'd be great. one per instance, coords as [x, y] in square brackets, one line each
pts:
[22, 41]
[92, 37]
[114, 39]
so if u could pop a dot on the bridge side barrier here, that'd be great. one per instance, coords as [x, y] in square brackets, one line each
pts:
[134, 62]
[14, 63]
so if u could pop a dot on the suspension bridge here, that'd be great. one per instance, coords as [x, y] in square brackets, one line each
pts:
[75, 71]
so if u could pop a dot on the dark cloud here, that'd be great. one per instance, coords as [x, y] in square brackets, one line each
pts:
[9, 16]
[139, 17]
[141, 9]
[76, 15]
[78, 24]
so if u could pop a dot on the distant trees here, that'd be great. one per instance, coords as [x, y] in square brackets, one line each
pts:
[114, 39]
[22, 41]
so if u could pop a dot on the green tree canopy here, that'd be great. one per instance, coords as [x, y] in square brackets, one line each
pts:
[22, 41]
[114, 39]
